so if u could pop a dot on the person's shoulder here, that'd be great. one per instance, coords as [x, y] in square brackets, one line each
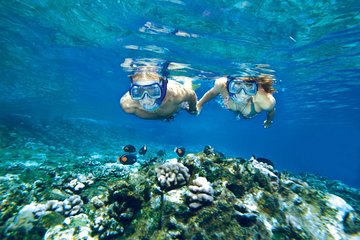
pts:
[126, 102]
[125, 97]
[174, 86]
[220, 82]
[171, 82]
[265, 100]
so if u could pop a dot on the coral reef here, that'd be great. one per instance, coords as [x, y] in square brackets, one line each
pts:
[87, 195]
[74, 227]
[201, 193]
[172, 174]
[77, 184]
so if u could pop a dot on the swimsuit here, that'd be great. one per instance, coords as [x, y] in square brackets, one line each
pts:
[252, 112]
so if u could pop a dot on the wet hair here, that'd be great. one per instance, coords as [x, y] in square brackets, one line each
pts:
[265, 81]
[146, 73]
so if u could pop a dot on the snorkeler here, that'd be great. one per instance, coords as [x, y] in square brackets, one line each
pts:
[246, 96]
[154, 28]
[152, 96]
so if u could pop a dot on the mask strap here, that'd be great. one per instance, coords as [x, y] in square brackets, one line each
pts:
[229, 79]
[164, 83]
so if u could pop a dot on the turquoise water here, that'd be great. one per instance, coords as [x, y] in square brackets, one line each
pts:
[61, 60]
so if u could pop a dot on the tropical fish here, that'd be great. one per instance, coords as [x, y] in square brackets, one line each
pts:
[129, 148]
[180, 151]
[127, 159]
[208, 150]
[143, 150]
[220, 154]
[152, 160]
[161, 153]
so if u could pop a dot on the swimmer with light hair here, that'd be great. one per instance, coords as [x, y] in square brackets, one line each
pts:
[153, 96]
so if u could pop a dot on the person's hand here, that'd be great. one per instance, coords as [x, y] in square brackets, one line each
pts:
[169, 119]
[193, 112]
[198, 111]
[198, 108]
[185, 106]
[267, 123]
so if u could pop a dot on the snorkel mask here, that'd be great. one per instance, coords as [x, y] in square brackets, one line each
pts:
[150, 94]
[240, 90]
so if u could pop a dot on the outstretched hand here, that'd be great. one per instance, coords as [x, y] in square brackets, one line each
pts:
[267, 124]
[193, 112]
[186, 106]
[169, 119]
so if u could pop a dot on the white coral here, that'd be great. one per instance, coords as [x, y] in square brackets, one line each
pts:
[201, 193]
[72, 205]
[172, 174]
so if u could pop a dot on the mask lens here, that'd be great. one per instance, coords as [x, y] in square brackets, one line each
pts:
[250, 88]
[154, 91]
[137, 92]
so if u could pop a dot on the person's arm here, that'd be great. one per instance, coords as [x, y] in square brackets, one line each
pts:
[125, 103]
[209, 95]
[269, 118]
[192, 99]
[270, 108]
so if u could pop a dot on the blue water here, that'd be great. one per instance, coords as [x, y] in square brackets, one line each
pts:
[62, 59]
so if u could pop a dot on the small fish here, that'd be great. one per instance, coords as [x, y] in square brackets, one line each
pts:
[161, 153]
[220, 155]
[208, 150]
[241, 159]
[129, 148]
[127, 159]
[263, 160]
[152, 160]
[180, 151]
[143, 150]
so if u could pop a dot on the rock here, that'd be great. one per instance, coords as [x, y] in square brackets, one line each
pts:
[57, 194]
[351, 223]
[246, 219]
[23, 221]
[298, 201]
[265, 175]
[96, 201]
[74, 227]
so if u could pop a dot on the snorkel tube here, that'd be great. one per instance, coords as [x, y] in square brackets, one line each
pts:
[164, 79]
[163, 91]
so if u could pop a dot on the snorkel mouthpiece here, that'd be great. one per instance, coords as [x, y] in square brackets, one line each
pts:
[149, 104]
[241, 97]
